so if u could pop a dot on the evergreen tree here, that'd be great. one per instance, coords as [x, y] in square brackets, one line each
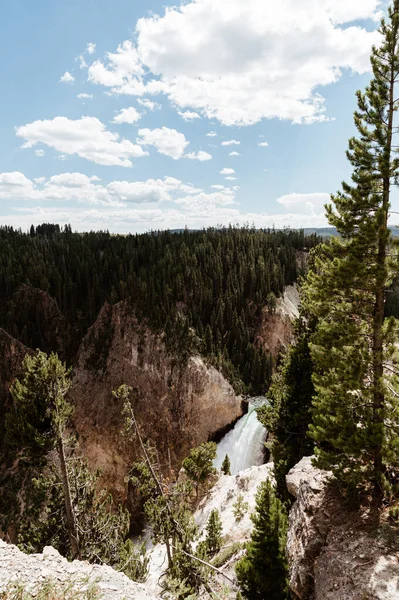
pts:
[226, 465]
[262, 572]
[354, 421]
[199, 464]
[40, 418]
[288, 414]
[214, 530]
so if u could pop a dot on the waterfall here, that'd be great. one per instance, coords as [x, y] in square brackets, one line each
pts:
[244, 443]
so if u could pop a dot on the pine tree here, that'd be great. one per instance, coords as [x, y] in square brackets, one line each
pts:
[287, 414]
[214, 530]
[354, 422]
[199, 464]
[226, 465]
[40, 418]
[262, 572]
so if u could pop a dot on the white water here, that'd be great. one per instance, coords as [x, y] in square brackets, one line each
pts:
[244, 443]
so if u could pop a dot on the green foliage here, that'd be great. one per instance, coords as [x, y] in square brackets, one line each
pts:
[204, 289]
[355, 423]
[224, 555]
[39, 412]
[198, 465]
[262, 572]
[287, 415]
[240, 508]
[50, 589]
[214, 530]
[56, 478]
[226, 465]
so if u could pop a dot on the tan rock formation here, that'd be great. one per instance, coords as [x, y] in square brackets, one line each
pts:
[177, 406]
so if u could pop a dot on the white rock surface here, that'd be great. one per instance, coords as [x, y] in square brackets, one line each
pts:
[336, 554]
[32, 569]
[224, 494]
[221, 496]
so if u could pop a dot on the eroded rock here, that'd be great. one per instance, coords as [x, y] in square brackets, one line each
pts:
[336, 553]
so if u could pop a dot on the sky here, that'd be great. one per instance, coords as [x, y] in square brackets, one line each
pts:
[134, 116]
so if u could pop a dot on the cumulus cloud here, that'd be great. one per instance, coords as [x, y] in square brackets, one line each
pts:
[149, 104]
[240, 62]
[231, 143]
[310, 204]
[227, 171]
[87, 190]
[124, 66]
[263, 144]
[124, 206]
[84, 96]
[234, 153]
[91, 48]
[201, 156]
[211, 134]
[230, 178]
[86, 137]
[127, 115]
[39, 152]
[167, 141]
[189, 115]
[67, 78]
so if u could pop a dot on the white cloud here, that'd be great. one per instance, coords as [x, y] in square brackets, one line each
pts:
[124, 206]
[189, 115]
[201, 156]
[67, 78]
[87, 137]
[234, 154]
[84, 96]
[309, 204]
[212, 134]
[240, 62]
[149, 104]
[91, 48]
[227, 171]
[124, 68]
[39, 152]
[263, 144]
[167, 141]
[127, 115]
[231, 143]
[230, 178]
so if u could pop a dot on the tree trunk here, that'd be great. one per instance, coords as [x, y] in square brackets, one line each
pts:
[379, 306]
[70, 515]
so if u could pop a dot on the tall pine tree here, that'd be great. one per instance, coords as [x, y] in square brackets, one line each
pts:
[262, 572]
[354, 422]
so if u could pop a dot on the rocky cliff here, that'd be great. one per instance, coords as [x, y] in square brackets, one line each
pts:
[335, 553]
[177, 405]
[32, 571]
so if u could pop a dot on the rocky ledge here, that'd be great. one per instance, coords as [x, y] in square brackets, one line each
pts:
[34, 569]
[335, 553]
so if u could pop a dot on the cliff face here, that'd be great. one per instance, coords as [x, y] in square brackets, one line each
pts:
[333, 552]
[276, 329]
[177, 406]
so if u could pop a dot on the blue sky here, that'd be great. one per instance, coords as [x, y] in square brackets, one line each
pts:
[124, 115]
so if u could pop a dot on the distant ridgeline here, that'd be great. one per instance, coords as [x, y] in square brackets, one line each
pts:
[204, 289]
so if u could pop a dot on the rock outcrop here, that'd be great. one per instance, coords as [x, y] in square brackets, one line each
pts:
[177, 405]
[276, 328]
[335, 553]
[33, 570]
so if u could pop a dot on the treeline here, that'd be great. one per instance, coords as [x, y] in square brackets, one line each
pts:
[206, 289]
